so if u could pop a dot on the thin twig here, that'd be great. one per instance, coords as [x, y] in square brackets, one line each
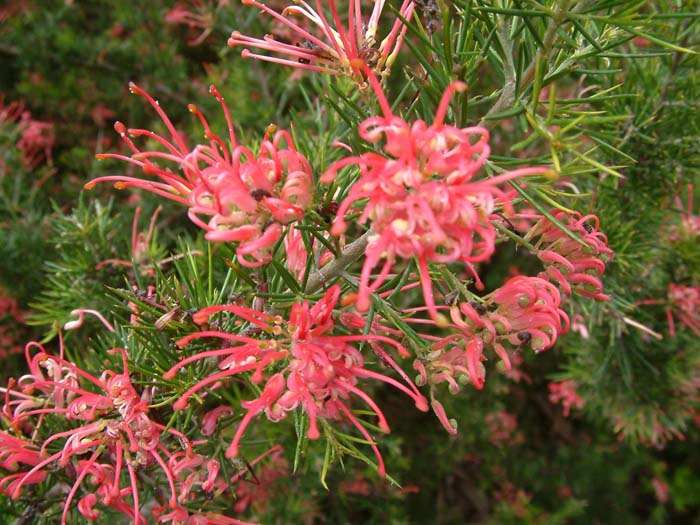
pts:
[351, 253]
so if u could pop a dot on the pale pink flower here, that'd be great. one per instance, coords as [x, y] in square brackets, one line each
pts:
[331, 44]
[258, 491]
[36, 142]
[523, 314]
[296, 254]
[420, 196]
[314, 369]
[565, 392]
[247, 197]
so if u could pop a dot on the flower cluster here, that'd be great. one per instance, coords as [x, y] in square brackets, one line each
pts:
[684, 304]
[317, 371]
[524, 313]
[247, 197]
[573, 263]
[113, 426]
[689, 224]
[113, 437]
[35, 137]
[421, 196]
[330, 45]
[565, 392]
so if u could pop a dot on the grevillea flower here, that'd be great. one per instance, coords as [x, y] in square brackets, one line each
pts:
[36, 138]
[112, 434]
[330, 45]
[524, 313]
[247, 197]
[689, 226]
[296, 255]
[503, 427]
[684, 304]
[314, 369]
[258, 492]
[573, 264]
[564, 392]
[140, 244]
[420, 197]
[196, 17]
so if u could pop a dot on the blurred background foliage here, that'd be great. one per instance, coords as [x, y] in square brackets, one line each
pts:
[605, 91]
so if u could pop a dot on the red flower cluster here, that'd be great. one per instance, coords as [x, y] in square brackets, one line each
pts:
[564, 392]
[330, 45]
[524, 313]
[684, 304]
[420, 196]
[36, 138]
[573, 264]
[317, 371]
[247, 197]
[113, 426]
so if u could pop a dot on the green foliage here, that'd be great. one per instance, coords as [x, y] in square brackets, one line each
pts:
[606, 93]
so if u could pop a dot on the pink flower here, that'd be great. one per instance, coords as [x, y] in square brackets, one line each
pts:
[661, 490]
[256, 493]
[330, 46]
[297, 255]
[503, 427]
[314, 369]
[524, 313]
[564, 392]
[247, 197]
[689, 226]
[420, 196]
[36, 138]
[684, 304]
[200, 20]
[112, 434]
[573, 264]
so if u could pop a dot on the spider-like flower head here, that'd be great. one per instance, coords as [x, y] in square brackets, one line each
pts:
[315, 369]
[328, 44]
[246, 197]
[420, 195]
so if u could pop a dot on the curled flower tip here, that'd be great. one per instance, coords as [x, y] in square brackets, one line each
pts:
[449, 424]
[215, 93]
[120, 128]
[135, 90]
[313, 432]
[271, 129]
[211, 419]
[193, 109]
[421, 403]
[89, 185]
[77, 323]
